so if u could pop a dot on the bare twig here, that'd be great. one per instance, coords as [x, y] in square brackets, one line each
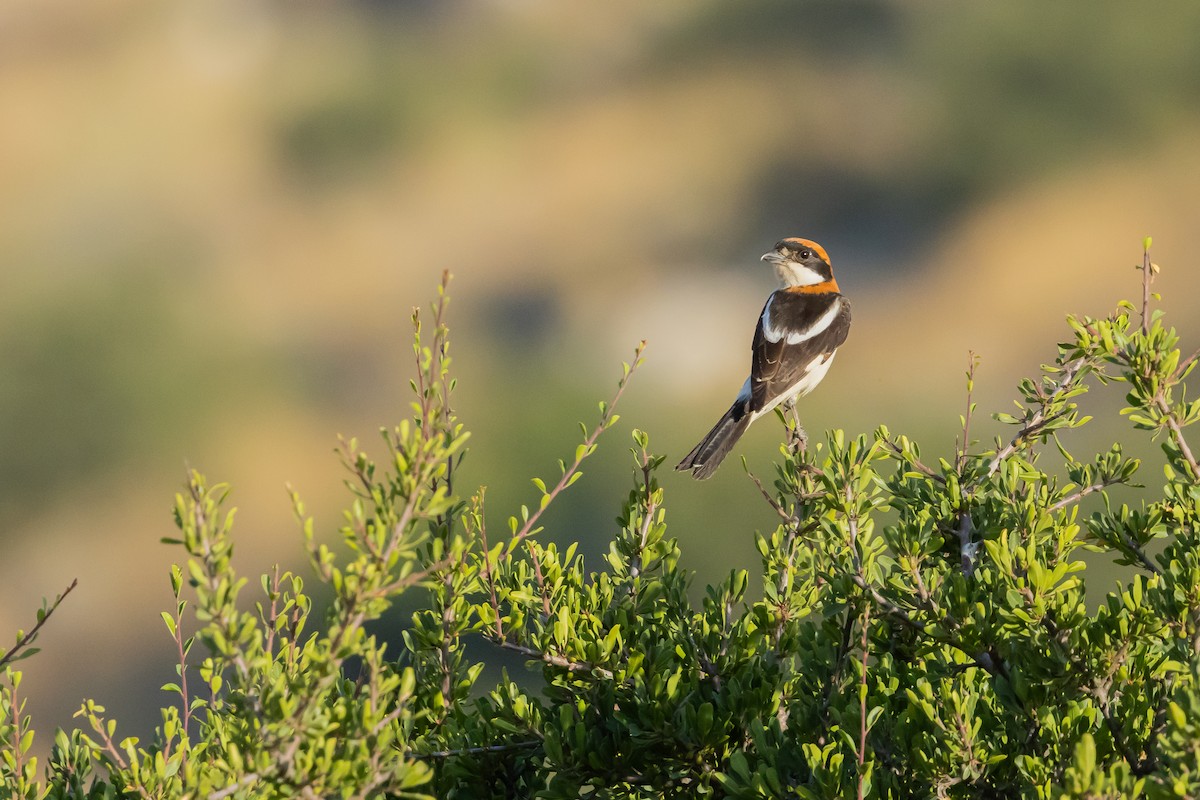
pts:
[783, 514]
[797, 437]
[27, 638]
[1177, 435]
[1040, 419]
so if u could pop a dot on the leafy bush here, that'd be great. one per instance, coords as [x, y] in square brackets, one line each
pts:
[919, 628]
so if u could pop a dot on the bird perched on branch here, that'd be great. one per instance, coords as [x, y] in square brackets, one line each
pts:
[800, 329]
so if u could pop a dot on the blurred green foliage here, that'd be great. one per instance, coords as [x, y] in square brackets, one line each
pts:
[88, 385]
[975, 98]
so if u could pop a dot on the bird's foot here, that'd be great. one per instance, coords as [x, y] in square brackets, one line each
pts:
[799, 439]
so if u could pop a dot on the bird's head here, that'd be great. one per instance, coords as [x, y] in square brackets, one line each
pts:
[800, 262]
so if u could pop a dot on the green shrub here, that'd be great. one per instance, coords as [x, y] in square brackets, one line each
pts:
[920, 629]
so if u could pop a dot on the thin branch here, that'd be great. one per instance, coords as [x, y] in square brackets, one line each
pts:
[185, 701]
[351, 463]
[488, 577]
[1076, 496]
[1039, 420]
[27, 638]
[921, 467]
[437, 355]
[558, 661]
[985, 661]
[392, 716]
[887, 605]
[922, 589]
[862, 703]
[1177, 435]
[398, 530]
[706, 664]
[967, 549]
[1134, 548]
[1150, 762]
[981, 660]
[635, 566]
[273, 614]
[852, 530]
[838, 662]
[783, 514]
[649, 507]
[413, 578]
[1114, 730]
[114, 753]
[1147, 279]
[961, 455]
[1160, 402]
[541, 580]
[475, 751]
[1183, 365]
[444, 652]
[586, 449]
[232, 788]
[18, 753]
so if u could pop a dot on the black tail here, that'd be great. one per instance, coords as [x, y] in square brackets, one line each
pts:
[708, 455]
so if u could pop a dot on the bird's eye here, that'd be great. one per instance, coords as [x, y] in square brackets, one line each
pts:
[805, 254]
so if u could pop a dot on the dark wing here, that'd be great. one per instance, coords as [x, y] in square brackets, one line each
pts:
[816, 324]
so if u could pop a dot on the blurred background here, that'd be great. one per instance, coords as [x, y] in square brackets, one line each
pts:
[215, 219]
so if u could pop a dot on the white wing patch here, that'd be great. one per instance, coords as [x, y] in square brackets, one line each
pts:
[813, 375]
[773, 334]
[770, 333]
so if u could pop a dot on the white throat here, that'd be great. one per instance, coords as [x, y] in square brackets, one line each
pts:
[792, 274]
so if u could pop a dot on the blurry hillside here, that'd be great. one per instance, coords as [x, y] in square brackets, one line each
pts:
[216, 217]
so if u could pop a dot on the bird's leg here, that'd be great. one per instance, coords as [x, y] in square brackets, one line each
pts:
[797, 437]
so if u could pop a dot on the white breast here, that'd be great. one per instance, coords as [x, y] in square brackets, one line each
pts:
[808, 381]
